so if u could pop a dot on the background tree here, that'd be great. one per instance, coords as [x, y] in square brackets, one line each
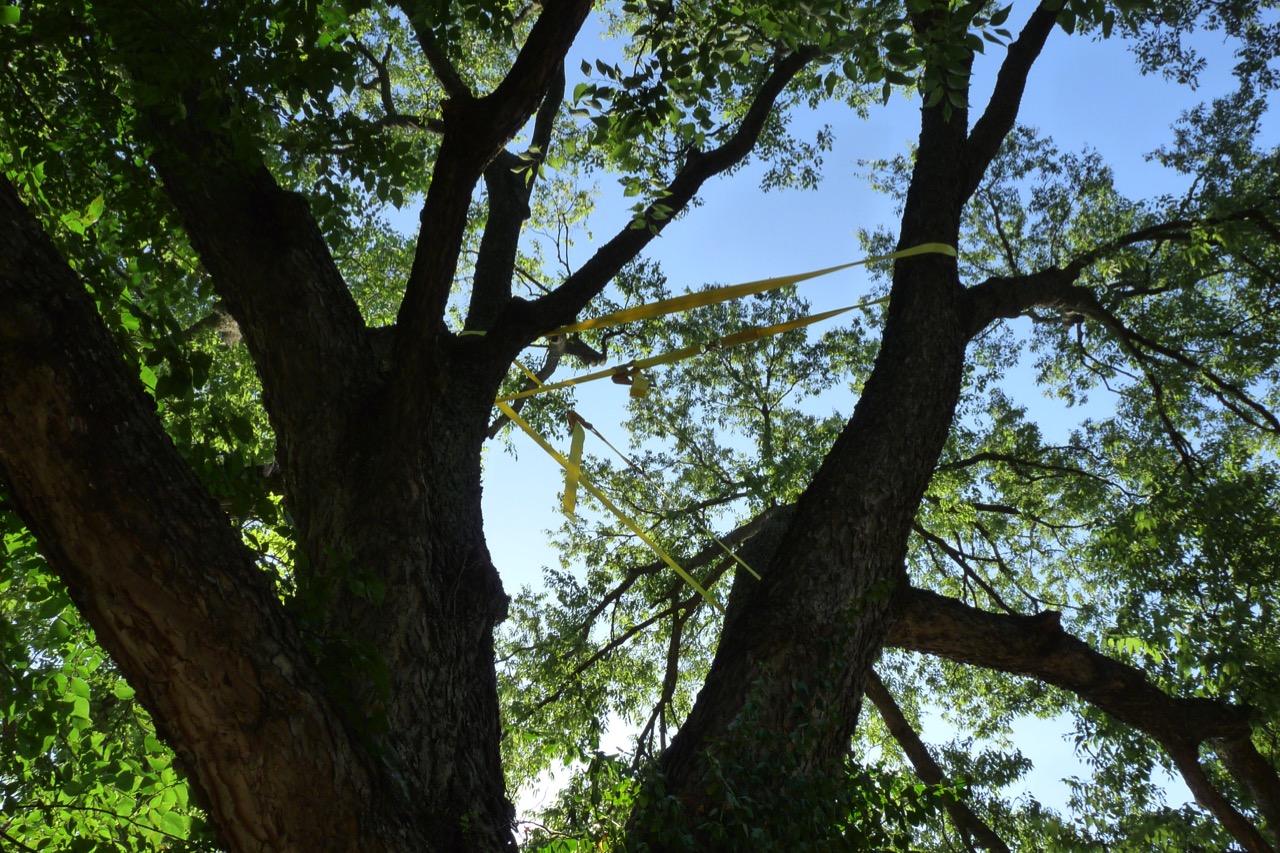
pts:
[181, 177]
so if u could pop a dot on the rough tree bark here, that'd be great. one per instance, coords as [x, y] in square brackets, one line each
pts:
[293, 745]
[796, 655]
[297, 748]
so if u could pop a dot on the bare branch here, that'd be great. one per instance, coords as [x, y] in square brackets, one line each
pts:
[962, 560]
[393, 117]
[1037, 647]
[690, 602]
[1052, 287]
[1002, 110]
[929, 771]
[561, 306]
[555, 349]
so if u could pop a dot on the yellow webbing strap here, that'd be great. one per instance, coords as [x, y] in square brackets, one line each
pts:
[716, 295]
[574, 472]
[652, 482]
[608, 504]
[633, 367]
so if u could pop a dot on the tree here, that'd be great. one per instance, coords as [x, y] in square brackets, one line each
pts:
[323, 665]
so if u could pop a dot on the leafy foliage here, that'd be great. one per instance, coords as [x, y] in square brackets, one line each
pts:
[1152, 529]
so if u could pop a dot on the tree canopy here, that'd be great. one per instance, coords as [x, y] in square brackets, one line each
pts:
[247, 599]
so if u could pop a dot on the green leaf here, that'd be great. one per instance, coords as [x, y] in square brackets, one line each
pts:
[149, 379]
[72, 222]
[94, 212]
[10, 15]
[241, 428]
[175, 823]
[79, 707]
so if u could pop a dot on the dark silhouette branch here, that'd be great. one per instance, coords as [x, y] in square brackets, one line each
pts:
[476, 129]
[962, 560]
[563, 304]
[998, 119]
[971, 826]
[450, 80]
[1038, 647]
[392, 117]
[1054, 288]
[509, 183]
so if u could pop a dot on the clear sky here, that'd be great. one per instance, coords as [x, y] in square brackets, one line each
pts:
[1082, 93]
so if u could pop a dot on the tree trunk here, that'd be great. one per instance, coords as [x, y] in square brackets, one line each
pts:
[162, 577]
[412, 525]
[292, 738]
[782, 698]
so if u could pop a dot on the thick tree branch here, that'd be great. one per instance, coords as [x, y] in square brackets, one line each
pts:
[563, 304]
[1255, 774]
[1038, 647]
[930, 772]
[1011, 296]
[1187, 760]
[151, 562]
[1053, 288]
[1002, 110]
[806, 635]
[509, 182]
[475, 132]
[450, 80]
[264, 253]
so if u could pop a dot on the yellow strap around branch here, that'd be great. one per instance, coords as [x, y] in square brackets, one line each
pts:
[609, 505]
[716, 295]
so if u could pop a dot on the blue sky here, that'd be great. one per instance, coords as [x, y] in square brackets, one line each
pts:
[1082, 93]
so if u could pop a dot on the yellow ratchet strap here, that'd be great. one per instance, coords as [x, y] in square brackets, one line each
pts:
[609, 505]
[716, 295]
[572, 475]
